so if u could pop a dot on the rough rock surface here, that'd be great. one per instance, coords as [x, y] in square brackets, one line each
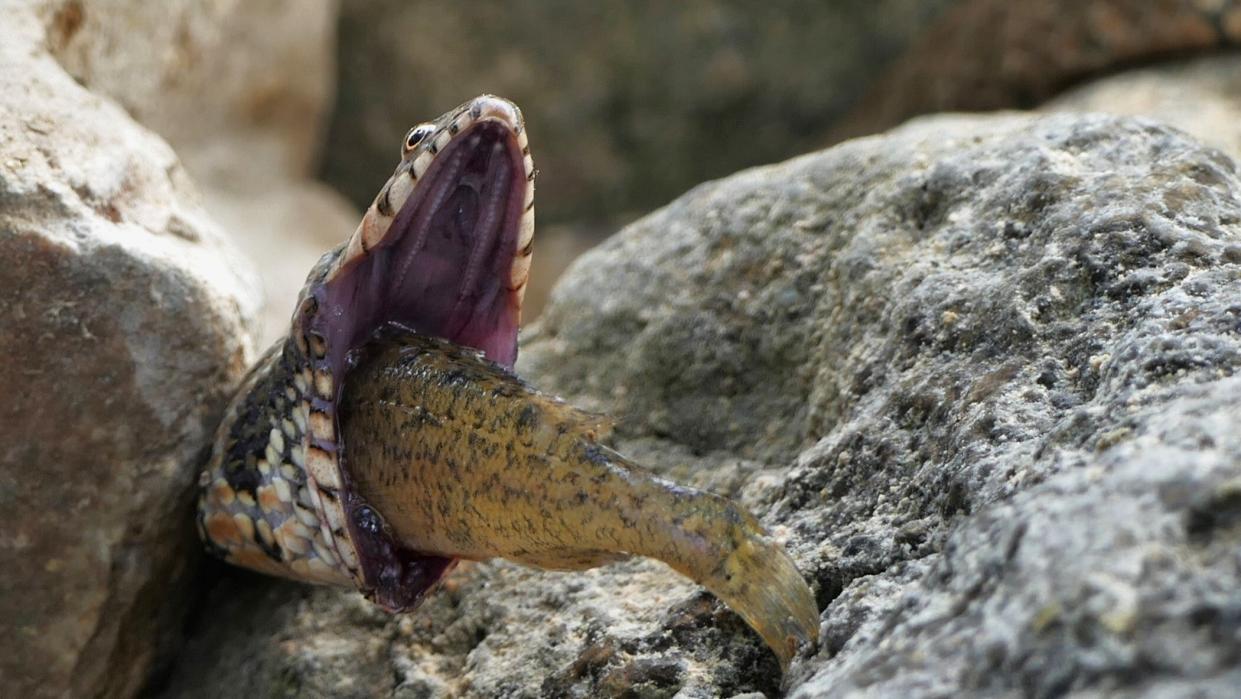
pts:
[241, 90]
[1201, 96]
[628, 104]
[981, 374]
[124, 324]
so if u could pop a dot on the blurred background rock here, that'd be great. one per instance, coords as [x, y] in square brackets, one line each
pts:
[629, 104]
[242, 91]
[632, 103]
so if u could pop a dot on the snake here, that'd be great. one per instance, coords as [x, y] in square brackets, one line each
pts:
[386, 436]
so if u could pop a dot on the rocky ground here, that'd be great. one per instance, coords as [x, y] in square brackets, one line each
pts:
[979, 374]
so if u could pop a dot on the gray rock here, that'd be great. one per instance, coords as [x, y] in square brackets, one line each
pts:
[1010, 326]
[979, 373]
[1201, 96]
[125, 323]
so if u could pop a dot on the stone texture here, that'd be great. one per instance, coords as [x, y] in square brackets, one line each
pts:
[266, 65]
[284, 227]
[980, 373]
[1201, 96]
[997, 54]
[241, 90]
[125, 323]
[558, 246]
[628, 103]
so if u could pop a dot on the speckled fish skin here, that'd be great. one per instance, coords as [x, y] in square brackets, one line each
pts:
[465, 460]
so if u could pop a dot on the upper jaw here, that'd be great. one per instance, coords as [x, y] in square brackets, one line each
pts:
[394, 195]
[480, 109]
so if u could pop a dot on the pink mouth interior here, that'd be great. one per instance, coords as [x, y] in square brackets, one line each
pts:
[442, 269]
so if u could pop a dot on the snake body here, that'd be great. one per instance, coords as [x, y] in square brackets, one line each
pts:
[385, 436]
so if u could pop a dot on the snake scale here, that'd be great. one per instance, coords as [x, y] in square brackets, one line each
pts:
[385, 437]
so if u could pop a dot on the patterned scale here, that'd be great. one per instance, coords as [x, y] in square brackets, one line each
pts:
[262, 515]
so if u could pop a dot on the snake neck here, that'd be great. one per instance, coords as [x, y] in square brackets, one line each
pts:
[255, 507]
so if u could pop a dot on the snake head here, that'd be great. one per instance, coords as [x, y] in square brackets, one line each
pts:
[444, 250]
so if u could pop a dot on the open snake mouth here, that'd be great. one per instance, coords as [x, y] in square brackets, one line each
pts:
[445, 267]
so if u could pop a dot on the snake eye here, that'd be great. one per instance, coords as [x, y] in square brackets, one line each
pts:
[416, 134]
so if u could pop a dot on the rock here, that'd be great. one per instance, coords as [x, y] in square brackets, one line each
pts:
[996, 54]
[126, 322]
[267, 66]
[628, 104]
[558, 246]
[980, 373]
[1201, 96]
[269, 70]
[284, 227]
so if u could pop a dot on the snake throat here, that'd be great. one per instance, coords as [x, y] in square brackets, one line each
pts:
[444, 251]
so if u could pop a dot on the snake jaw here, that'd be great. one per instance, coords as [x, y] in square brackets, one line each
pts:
[444, 250]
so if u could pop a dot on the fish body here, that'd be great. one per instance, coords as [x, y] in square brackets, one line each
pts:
[474, 463]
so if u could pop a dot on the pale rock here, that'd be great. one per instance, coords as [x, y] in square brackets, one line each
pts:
[242, 91]
[126, 321]
[1201, 96]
